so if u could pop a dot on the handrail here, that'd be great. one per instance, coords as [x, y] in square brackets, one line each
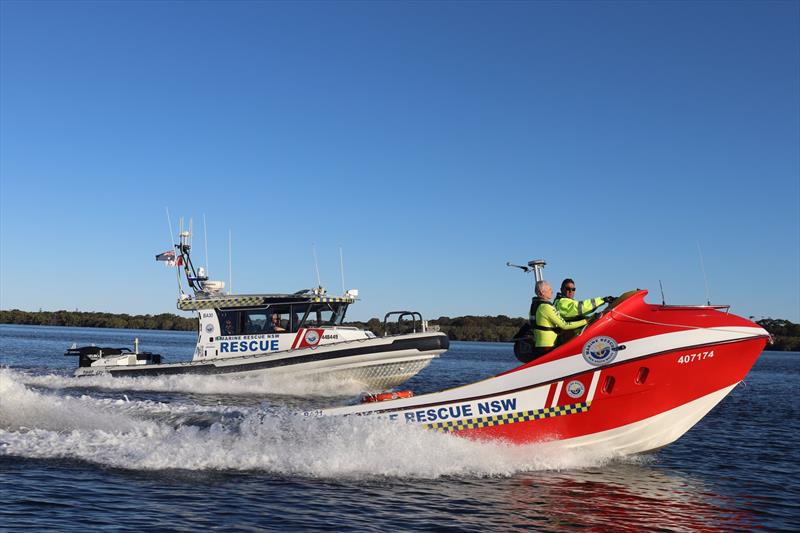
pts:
[400, 314]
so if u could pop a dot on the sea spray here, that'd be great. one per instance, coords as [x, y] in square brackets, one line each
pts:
[256, 385]
[159, 436]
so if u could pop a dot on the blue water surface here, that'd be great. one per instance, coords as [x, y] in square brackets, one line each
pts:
[161, 454]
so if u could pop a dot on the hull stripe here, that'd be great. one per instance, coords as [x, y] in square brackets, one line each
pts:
[593, 386]
[510, 418]
[557, 395]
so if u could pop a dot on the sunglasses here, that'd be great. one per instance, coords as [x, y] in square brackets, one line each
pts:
[569, 289]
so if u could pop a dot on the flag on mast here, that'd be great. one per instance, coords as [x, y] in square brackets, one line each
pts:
[169, 258]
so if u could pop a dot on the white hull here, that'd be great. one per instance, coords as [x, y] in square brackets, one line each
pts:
[651, 433]
[377, 363]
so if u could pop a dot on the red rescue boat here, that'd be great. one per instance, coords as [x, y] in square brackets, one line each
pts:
[637, 378]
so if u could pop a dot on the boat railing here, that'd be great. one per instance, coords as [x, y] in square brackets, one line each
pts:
[400, 326]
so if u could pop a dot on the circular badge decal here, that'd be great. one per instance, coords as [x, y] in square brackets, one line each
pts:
[209, 328]
[312, 337]
[600, 351]
[575, 389]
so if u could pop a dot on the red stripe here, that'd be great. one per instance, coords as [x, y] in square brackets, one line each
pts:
[297, 338]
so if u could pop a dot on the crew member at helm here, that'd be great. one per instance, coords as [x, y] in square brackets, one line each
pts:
[573, 310]
[545, 320]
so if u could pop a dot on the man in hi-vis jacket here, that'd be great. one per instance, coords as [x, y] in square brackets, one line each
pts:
[573, 310]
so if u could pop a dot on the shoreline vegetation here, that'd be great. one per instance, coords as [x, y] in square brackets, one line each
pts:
[498, 328]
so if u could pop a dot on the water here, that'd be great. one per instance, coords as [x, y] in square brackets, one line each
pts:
[184, 453]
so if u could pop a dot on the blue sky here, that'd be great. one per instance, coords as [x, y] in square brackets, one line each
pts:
[433, 142]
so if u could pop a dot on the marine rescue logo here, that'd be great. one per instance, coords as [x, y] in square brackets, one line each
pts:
[312, 337]
[575, 389]
[600, 351]
[209, 328]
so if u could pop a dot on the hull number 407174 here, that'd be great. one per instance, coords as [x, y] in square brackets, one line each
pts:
[692, 357]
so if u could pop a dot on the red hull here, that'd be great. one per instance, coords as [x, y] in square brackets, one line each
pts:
[635, 379]
[667, 385]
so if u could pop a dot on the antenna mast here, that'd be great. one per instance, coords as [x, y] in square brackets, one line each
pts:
[705, 278]
[536, 266]
[230, 265]
[172, 247]
[341, 268]
[316, 264]
[205, 235]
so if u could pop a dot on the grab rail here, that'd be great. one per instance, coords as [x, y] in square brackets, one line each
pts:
[415, 316]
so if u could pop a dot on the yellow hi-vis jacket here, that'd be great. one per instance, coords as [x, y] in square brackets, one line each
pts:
[547, 323]
[570, 309]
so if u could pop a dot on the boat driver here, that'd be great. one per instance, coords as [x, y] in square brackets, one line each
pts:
[546, 321]
[572, 310]
[276, 323]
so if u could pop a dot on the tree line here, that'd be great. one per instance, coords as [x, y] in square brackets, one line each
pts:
[500, 328]
[92, 319]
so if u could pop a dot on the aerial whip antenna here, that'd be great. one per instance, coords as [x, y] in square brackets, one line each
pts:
[171, 235]
[316, 264]
[705, 278]
[341, 268]
[172, 247]
[230, 266]
[205, 235]
[663, 301]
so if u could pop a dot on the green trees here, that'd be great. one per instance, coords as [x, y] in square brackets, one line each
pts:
[498, 328]
[785, 334]
[93, 319]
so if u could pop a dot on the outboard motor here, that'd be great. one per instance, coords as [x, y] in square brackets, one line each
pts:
[89, 354]
[524, 343]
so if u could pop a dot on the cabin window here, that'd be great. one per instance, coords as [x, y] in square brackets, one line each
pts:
[280, 319]
[228, 322]
[319, 315]
[255, 321]
[258, 321]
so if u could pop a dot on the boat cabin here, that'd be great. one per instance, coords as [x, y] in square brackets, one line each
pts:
[235, 325]
[281, 317]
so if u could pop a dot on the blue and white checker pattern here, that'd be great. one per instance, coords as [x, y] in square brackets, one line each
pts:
[510, 418]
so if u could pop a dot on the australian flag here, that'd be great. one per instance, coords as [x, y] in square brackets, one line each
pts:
[166, 256]
[169, 258]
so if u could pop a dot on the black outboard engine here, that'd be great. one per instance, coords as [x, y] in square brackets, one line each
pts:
[524, 344]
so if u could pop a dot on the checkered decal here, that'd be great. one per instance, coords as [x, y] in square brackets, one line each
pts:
[510, 418]
[190, 304]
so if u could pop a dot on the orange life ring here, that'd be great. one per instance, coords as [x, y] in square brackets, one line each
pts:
[384, 396]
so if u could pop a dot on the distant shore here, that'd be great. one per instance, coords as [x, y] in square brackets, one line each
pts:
[500, 328]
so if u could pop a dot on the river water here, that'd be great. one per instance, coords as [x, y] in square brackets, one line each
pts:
[185, 453]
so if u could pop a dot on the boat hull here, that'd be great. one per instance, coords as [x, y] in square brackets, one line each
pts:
[381, 362]
[646, 393]
[619, 401]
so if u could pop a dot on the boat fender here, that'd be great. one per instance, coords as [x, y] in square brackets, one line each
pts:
[384, 396]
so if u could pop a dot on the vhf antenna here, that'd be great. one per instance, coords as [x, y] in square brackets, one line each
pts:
[316, 263]
[705, 278]
[663, 300]
[341, 268]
